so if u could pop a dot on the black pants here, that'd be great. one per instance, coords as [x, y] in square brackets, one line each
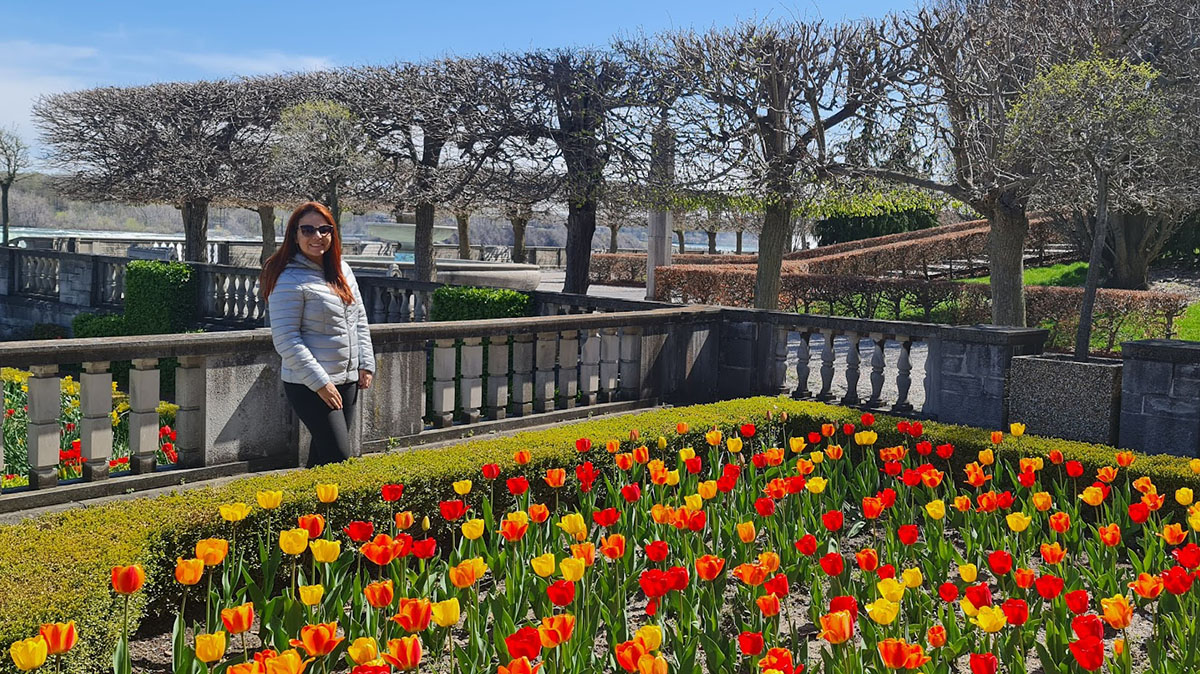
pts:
[330, 428]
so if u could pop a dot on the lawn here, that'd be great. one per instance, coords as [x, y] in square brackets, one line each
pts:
[1065, 275]
[1188, 326]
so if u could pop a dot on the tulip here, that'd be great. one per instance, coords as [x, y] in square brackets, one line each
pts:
[310, 595]
[513, 530]
[912, 577]
[29, 653]
[1184, 496]
[313, 524]
[359, 532]
[446, 613]
[1110, 535]
[238, 619]
[287, 662]
[572, 569]
[652, 664]
[212, 550]
[325, 551]
[837, 627]
[363, 650]
[463, 575]
[524, 643]
[561, 592]
[990, 619]
[293, 541]
[462, 487]
[984, 663]
[269, 500]
[1018, 521]
[128, 579]
[188, 571]
[556, 630]
[768, 604]
[59, 637]
[936, 509]
[1117, 611]
[574, 525]
[413, 615]
[404, 520]
[379, 594]
[709, 567]
[898, 654]
[234, 512]
[816, 485]
[1173, 534]
[937, 636]
[745, 532]
[543, 565]
[403, 653]
[319, 639]
[519, 666]
[472, 529]
[1088, 652]
[210, 647]
[883, 611]
[890, 589]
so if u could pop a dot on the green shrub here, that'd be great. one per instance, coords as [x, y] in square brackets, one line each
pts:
[98, 325]
[842, 228]
[47, 331]
[160, 297]
[56, 567]
[452, 303]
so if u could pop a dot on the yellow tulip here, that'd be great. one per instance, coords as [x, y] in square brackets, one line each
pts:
[1194, 518]
[912, 577]
[745, 532]
[662, 442]
[686, 454]
[1184, 496]
[713, 437]
[543, 565]
[325, 551]
[311, 595]
[446, 613]
[968, 608]
[1092, 496]
[734, 444]
[212, 550]
[816, 485]
[29, 653]
[572, 569]
[883, 611]
[573, 525]
[462, 487]
[472, 529]
[990, 619]
[968, 572]
[650, 636]
[987, 457]
[234, 512]
[293, 541]
[363, 650]
[890, 589]
[707, 490]
[866, 438]
[210, 647]
[1194, 464]
[1018, 521]
[425, 523]
[672, 478]
[519, 516]
[694, 502]
[936, 509]
[1017, 430]
[797, 445]
[269, 500]
[816, 457]
[327, 493]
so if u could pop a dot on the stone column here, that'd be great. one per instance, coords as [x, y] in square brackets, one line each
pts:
[973, 365]
[497, 383]
[1160, 396]
[443, 382]
[190, 427]
[568, 368]
[610, 354]
[589, 370]
[42, 440]
[471, 383]
[545, 356]
[95, 428]
[522, 386]
[143, 415]
[631, 363]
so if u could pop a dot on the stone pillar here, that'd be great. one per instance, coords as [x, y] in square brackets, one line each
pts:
[42, 441]
[443, 382]
[589, 369]
[190, 428]
[610, 354]
[497, 383]
[662, 170]
[75, 276]
[545, 356]
[973, 365]
[143, 415]
[95, 428]
[568, 368]
[631, 363]
[522, 386]
[738, 360]
[1160, 396]
[471, 383]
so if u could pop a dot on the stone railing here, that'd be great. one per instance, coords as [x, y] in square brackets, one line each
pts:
[34, 273]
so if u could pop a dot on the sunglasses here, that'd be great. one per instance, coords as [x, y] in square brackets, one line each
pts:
[309, 230]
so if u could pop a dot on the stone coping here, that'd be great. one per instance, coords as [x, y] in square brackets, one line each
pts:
[1166, 350]
[976, 334]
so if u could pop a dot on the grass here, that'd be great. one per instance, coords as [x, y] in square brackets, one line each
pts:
[1188, 326]
[1067, 275]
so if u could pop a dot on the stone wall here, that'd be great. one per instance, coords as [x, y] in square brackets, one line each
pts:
[1160, 400]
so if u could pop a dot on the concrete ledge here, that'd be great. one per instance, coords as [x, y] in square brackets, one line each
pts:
[1166, 350]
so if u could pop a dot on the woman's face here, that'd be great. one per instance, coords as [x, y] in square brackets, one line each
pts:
[315, 244]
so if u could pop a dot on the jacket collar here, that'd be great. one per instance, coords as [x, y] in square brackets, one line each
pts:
[303, 260]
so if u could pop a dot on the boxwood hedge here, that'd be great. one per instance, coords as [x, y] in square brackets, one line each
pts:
[56, 567]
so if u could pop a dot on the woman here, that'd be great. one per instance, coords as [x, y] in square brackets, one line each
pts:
[319, 327]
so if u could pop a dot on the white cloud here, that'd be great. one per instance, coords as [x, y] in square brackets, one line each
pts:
[260, 63]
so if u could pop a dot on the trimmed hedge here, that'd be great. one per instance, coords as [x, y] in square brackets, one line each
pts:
[98, 325]
[629, 269]
[844, 227]
[458, 303]
[160, 297]
[56, 567]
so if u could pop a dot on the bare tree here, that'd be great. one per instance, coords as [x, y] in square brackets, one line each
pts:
[522, 195]
[14, 159]
[620, 204]
[774, 92]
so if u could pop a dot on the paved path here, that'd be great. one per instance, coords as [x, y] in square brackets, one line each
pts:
[553, 279]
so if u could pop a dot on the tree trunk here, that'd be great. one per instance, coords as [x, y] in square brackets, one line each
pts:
[4, 210]
[463, 219]
[612, 238]
[682, 247]
[1006, 262]
[739, 242]
[518, 250]
[712, 243]
[195, 230]
[776, 233]
[1132, 249]
[1083, 335]
[335, 205]
[266, 218]
[581, 227]
[423, 243]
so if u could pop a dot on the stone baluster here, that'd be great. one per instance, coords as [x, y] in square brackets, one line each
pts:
[95, 428]
[826, 366]
[589, 370]
[853, 359]
[631, 363]
[497, 382]
[545, 357]
[523, 364]
[568, 368]
[191, 381]
[443, 382]
[610, 354]
[143, 415]
[903, 374]
[802, 369]
[42, 440]
[779, 365]
[420, 306]
[877, 363]
[471, 383]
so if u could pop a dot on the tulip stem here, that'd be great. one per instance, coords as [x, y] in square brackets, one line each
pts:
[125, 635]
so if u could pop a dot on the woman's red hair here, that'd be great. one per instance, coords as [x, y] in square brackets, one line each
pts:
[331, 261]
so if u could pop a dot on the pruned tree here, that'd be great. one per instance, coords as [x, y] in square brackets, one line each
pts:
[181, 143]
[14, 159]
[1106, 138]
[620, 204]
[521, 195]
[773, 93]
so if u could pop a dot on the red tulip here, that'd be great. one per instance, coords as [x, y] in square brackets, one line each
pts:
[1078, 601]
[128, 579]
[908, 534]
[948, 592]
[764, 506]
[1085, 626]
[1016, 610]
[583, 444]
[452, 510]
[631, 493]
[750, 643]
[491, 471]
[524, 643]
[424, 548]
[561, 593]
[807, 545]
[313, 524]
[359, 532]
[1049, 586]
[517, 485]
[587, 474]
[832, 520]
[777, 586]
[832, 564]
[984, 663]
[1177, 580]
[1000, 562]
[656, 551]
[391, 492]
[1089, 653]
[606, 517]
[844, 603]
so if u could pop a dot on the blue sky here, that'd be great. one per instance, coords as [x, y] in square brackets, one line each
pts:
[48, 46]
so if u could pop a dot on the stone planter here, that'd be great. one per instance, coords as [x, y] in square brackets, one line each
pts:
[1057, 396]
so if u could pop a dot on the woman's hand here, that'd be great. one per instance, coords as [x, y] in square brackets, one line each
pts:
[330, 395]
[364, 379]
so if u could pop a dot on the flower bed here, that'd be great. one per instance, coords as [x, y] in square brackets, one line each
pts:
[15, 427]
[894, 542]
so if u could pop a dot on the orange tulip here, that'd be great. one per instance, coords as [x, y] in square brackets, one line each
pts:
[837, 627]
[1144, 485]
[937, 636]
[613, 547]
[1153, 501]
[1124, 459]
[128, 579]
[834, 452]
[1173, 534]
[413, 614]
[997, 437]
[462, 575]
[769, 561]
[539, 513]
[1043, 501]
[379, 594]
[522, 457]
[319, 639]
[745, 532]
[1147, 586]
[897, 654]
[624, 461]
[556, 630]
[708, 567]
[1053, 554]
[555, 477]
[975, 475]
[612, 446]
[652, 664]
[1117, 611]
[1106, 474]
[628, 654]
[750, 574]
[585, 552]
[962, 503]
[60, 637]
[1110, 535]
[519, 666]
[768, 604]
[287, 662]
[403, 653]
[641, 454]
[212, 550]
[404, 520]
[188, 571]
[681, 427]
[513, 530]
[239, 618]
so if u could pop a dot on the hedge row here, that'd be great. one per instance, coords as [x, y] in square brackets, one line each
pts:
[462, 303]
[56, 567]
[1120, 315]
[629, 269]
